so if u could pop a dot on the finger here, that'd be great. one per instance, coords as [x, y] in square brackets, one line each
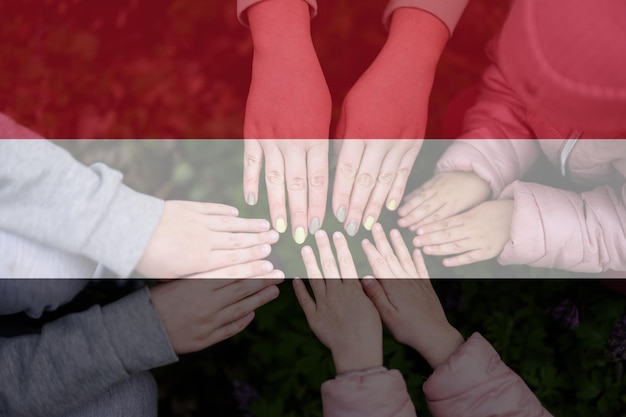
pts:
[428, 208]
[327, 259]
[376, 261]
[418, 260]
[466, 258]
[214, 209]
[316, 279]
[228, 257]
[296, 171]
[252, 162]
[275, 183]
[244, 288]
[441, 213]
[241, 270]
[452, 248]
[344, 257]
[386, 252]
[402, 175]
[451, 234]
[304, 298]
[381, 188]
[347, 167]
[417, 197]
[449, 223]
[221, 223]
[231, 329]
[377, 294]
[244, 240]
[317, 170]
[403, 254]
[363, 186]
[246, 305]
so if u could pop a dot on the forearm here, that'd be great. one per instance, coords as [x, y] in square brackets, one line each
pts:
[49, 197]
[76, 358]
[280, 26]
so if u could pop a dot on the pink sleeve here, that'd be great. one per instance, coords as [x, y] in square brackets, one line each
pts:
[242, 6]
[382, 394]
[9, 129]
[474, 382]
[448, 11]
[497, 161]
[554, 228]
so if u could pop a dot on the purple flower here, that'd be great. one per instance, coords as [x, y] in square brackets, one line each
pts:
[565, 313]
[244, 394]
[616, 345]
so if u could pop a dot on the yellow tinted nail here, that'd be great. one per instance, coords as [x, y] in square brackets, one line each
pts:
[281, 226]
[300, 235]
[392, 205]
[369, 222]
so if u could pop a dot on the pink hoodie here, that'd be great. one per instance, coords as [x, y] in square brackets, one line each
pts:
[474, 382]
[555, 79]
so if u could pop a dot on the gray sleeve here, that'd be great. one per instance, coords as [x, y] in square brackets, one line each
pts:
[448, 11]
[48, 196]
[76, 358]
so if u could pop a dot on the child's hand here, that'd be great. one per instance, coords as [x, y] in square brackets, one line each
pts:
[197, 237]
[477, 235]
[198, 313]
[444, 195]
[341, 315]
[409, 307]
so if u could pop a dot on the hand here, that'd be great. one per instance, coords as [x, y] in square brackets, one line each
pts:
[302, 166]
[370, 172]
[341, 315]
[288, 99]
[198, 313]
[444, 195]
[477, 235]
[409, 307]
[196, 237]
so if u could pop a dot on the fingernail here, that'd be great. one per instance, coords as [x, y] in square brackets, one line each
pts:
[300, 235]
[278, 274]
[369, 222]
[250, 199]
[417, 242]
[352, 228]
[341, 214]
[273, 235]
[264, 225]
[267, 266]
[392, 205]
[367, 281]
[266, 249]
[281, 226]
[314, 225]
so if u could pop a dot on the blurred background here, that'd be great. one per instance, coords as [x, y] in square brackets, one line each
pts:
[171, 69]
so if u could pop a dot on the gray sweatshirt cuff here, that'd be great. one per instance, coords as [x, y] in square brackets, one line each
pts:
[137, 333]
[122, 235]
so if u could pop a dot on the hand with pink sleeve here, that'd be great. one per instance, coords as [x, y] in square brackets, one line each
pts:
[288, 99]
[389, 102]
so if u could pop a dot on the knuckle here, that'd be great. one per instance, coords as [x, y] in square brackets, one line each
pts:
[380, 263]
[391, 258]
[344, 260]
[402, 172]
[253, 160]
[457, 246]
[296, 184]
[317, 181]
[347, 170]
[275, 177]
[385, 178]
[328, 265]
[365, 180]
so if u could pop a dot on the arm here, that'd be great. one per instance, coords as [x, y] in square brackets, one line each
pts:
[561, 229]
[288, 99]
[474, 382]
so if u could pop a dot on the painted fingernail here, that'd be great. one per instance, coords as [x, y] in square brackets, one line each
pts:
[281, 226]
[392, 205]
[341, 214]
[300, 235]
[352, 228]
[251, 199]
[314, 225]
[369, 222]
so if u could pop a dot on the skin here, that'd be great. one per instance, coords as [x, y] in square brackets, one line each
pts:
[198, 313]
[476, 235]
[289, 99]
[197, 237]
[446, 194]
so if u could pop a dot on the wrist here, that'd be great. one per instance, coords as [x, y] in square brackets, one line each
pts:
[354, 360]
[442, 343]
[276, 25]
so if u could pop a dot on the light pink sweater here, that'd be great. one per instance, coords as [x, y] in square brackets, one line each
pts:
[474, 382]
